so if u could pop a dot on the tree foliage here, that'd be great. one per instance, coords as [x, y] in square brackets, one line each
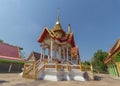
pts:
[86, 63]
[1, 40]
[97, 61]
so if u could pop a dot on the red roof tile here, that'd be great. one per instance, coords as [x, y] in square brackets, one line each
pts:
[7, 50]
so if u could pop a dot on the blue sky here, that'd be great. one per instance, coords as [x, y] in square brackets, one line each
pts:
[95, 23]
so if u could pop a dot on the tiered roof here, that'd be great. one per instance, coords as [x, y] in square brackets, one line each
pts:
[58, 34]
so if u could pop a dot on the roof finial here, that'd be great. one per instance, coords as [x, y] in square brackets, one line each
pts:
[69, 28]
[58, 16]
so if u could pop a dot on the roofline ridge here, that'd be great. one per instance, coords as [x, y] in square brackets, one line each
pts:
[9, 44]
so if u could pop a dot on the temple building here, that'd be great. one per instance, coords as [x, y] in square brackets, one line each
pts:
[10, 58]
[59, 58]
[113, 60]
[59, 44]
[35, 56]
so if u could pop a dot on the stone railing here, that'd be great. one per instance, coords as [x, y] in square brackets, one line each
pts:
[33, 68]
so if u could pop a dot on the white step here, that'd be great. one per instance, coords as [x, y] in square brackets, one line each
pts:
[54, 75]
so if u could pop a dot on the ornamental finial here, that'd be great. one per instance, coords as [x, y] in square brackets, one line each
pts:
[69, 28]
[58, 17]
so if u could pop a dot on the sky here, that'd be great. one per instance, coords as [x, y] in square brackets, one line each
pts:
[95, 23]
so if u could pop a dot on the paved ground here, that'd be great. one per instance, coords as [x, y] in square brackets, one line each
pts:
[17, 80]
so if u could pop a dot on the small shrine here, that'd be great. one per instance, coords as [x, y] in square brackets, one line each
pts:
[59, 57]
[60, 45]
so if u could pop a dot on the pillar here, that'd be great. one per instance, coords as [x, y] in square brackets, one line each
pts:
[44, 52]
[48, 54]
[63, 52]
[59, 53]
[41, 53]
[67, 53]
[10, 67]
[51, 48]
[55, 53]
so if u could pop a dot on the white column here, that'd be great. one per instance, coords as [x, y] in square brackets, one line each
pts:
[41, 53]
[67, 53]
[51, 49]
[10, 67]
[48, 54]
[63, 53]
[44, 52]
[59, 53]
[55, 53]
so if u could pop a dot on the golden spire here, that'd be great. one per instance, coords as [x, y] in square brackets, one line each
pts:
[58, 28]
[58, 17]
[69, 28]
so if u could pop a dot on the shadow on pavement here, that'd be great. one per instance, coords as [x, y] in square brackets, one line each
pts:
[3, 81]
[97, 78]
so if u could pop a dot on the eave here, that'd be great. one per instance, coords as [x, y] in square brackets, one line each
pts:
[43, 35]
[113, 50]
[109, 57]
[11, 58]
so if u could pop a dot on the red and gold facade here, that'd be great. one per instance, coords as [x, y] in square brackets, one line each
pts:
[58, 44]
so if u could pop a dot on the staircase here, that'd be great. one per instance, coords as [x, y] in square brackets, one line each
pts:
[56, 72]
[31, 69]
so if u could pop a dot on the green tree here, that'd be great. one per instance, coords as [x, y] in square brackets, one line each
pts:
[98, 61]
[1, 40]
[22, 53]
[86, 63]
